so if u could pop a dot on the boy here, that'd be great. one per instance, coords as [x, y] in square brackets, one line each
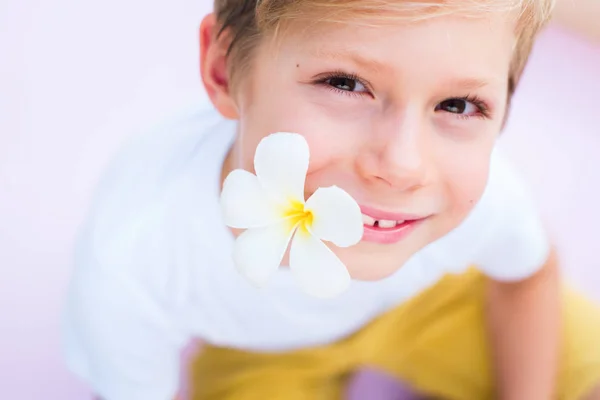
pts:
[401, 103]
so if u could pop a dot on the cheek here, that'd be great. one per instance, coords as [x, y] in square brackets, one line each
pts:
[465, 184]
[462, 165]
[329, 141]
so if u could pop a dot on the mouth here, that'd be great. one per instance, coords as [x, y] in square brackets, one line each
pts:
[385, 227]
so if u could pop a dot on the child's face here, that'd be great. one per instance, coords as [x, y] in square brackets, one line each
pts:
[404, 118]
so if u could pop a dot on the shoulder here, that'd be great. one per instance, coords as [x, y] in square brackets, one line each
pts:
[138, 211]
[153, 160]
[503, 235]
[516, 244]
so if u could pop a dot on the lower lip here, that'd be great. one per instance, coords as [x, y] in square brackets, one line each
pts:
[389, 235]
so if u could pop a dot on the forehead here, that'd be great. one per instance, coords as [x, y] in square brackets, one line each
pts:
[452, 42]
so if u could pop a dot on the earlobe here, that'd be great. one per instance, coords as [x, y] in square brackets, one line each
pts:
[213, 67]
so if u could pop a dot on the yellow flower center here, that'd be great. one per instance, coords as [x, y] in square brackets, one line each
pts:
[299, 216]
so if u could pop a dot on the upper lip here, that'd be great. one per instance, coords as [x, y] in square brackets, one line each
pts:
[389, 216]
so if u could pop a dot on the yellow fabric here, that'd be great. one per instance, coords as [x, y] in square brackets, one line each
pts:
[436, 343]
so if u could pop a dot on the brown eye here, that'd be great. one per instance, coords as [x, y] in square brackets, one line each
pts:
[457, 106]
[346, 84]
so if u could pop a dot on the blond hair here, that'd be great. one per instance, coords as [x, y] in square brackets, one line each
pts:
[247, 21]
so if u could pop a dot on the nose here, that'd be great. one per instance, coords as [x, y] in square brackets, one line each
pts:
[399, 155]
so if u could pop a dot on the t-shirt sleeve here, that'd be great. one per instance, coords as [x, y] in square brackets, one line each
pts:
[123, 328]
[514, 241]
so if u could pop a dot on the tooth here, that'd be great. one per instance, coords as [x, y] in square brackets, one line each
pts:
[368, 220]
[386, 224]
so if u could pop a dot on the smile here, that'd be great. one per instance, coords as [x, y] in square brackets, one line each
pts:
[387, 228]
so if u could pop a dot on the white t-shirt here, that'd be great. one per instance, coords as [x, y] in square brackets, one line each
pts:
[153, 267]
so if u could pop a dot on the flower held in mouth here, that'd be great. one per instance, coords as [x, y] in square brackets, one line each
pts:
[271, 207]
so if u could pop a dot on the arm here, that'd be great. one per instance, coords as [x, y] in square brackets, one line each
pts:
[524, 323]
[523, 299]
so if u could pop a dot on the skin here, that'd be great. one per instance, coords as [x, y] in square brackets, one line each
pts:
[385, 142]
[393, 139]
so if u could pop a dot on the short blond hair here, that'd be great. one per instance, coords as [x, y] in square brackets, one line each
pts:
[247, 21]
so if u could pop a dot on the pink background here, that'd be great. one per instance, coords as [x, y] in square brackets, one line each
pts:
[76, 78]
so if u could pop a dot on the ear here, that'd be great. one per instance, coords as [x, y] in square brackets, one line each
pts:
[213, 67]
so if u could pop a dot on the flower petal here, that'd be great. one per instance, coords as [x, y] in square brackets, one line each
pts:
[336, 216]
[244, 202]
[281, 164]
[257, 252]
[318, 271]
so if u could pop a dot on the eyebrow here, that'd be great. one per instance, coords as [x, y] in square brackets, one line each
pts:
[470, 83]
[352, 56]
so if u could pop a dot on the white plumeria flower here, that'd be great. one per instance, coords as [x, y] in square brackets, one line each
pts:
[270, 206]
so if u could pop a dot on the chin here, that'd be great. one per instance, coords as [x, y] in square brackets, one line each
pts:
[372, 263]
[373, 272]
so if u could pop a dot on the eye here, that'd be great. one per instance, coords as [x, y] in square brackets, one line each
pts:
[346, 84]
[464, 107]
[458, 106]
